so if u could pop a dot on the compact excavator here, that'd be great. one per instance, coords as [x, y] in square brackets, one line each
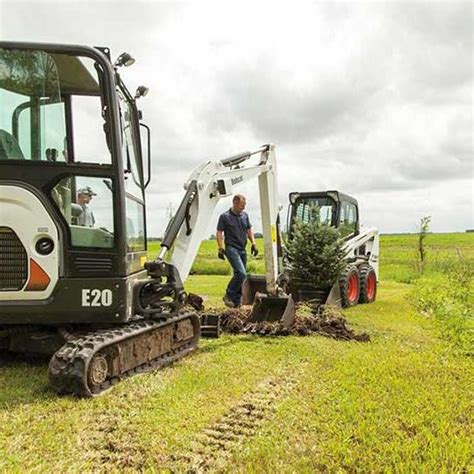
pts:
[75, 282]
[75, 160]
[72, 144]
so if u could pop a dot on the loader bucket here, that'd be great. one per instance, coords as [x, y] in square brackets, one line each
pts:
[316, 296]
[272, 309]
[334, 297]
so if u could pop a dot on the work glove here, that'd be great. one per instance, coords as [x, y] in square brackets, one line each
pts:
[254, 250]
[221, 254]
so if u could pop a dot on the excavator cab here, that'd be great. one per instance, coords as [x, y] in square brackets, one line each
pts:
[71, 185]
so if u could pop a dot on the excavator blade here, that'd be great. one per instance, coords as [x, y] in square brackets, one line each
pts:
[272, 308]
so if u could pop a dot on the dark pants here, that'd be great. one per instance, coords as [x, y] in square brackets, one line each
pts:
[238, 259]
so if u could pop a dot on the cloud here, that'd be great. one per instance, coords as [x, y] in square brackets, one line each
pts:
[374, 99]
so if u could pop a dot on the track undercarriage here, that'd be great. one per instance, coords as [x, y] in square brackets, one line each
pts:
[90, 361]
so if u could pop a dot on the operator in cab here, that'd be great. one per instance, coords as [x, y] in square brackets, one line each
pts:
[84, 197]
[233, 231]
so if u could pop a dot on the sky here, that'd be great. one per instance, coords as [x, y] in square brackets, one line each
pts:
[372, 99]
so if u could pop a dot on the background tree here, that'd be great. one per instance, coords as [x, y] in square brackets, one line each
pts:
[421, 249]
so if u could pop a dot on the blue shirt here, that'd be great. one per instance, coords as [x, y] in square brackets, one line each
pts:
[235, 227]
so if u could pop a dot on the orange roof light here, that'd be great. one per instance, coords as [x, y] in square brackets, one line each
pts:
[39, 279]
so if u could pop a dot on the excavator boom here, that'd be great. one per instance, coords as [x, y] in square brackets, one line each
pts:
[212, 181]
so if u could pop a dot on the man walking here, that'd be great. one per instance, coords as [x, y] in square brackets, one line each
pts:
[234, 229]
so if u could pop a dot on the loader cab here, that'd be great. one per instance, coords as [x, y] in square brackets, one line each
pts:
[328, 207]
[69, 128]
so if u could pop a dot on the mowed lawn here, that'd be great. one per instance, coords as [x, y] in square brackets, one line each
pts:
[243, 403]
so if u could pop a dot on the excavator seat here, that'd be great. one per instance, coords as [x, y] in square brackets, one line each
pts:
[9, 148]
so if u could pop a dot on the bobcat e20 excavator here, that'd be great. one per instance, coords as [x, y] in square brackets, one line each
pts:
[75, 283]
[80, 289]
[70, 287]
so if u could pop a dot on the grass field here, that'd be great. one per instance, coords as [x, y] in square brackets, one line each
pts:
[397, 255]
[401, 403]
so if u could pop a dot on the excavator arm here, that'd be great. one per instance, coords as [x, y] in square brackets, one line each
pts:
[210, 182]
[207, 185]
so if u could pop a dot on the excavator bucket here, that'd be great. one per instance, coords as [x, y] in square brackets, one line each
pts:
[273, 308]
[266, 307]
[252, 285]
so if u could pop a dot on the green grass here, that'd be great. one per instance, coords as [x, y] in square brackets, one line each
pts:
[400, 403]
[397, 256]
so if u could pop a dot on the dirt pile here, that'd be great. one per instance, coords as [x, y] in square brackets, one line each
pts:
[195, 302]
[324, 320]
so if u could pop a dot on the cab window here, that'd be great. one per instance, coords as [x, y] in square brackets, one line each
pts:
[39, 93]
[320, 208]
[86, 204]
[134, 203]
[348, 219]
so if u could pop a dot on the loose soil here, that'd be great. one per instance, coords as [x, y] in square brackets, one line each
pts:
[324, 320]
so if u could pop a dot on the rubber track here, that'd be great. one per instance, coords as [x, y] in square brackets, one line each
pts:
[69, 365]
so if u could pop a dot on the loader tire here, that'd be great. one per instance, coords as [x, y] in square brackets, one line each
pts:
[349, 286]
[368, 284]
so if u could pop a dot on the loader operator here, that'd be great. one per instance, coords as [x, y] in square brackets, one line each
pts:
[234, 229]
[84, 196]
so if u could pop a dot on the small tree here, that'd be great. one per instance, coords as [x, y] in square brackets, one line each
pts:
[421, 250]
[315, 252]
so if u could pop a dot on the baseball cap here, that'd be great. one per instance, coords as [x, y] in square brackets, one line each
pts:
[87, 190]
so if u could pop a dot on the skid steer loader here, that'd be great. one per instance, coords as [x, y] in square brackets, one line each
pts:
[73, 279]
[358, 284]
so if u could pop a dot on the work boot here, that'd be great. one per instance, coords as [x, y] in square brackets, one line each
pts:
[228, 302]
